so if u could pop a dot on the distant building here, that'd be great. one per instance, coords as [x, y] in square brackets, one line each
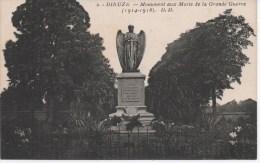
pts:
[233, 116]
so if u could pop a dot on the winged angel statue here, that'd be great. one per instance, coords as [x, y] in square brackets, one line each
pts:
[130, 49]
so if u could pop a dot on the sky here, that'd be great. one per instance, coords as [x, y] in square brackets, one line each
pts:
[161, 28]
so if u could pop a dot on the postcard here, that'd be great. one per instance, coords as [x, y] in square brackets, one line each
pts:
[128, 79]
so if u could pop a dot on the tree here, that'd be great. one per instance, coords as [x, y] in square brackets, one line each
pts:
[54, 54]
[204, 61]
[226, 37]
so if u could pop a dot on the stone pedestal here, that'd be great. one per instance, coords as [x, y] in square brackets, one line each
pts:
[131, 97]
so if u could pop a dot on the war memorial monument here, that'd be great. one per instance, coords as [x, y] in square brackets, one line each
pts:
[131, 89]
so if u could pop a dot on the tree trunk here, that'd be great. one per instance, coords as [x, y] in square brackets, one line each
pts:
[212, 115]
[214, 103]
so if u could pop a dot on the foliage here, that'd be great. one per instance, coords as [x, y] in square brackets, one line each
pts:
[132, 122]
[20, 136]
[159, 126]
[53, 55]
[115, 120]
[191, 142]
[207, 119]
[177, 142]
[78, 114]
[248, 106]
[17, 139]
[198, 67]
[238, 142]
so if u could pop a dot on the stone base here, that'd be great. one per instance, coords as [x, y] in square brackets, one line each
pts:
[145, 117]
[131, 99]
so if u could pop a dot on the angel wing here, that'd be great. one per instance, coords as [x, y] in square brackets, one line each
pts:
[141, 47]
[120, 47]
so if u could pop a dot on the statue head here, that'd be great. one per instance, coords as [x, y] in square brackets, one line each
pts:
[131, 28]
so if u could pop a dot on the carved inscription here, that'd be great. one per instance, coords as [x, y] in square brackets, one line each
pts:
[131, 92]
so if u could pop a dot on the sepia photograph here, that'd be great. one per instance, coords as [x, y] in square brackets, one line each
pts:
[128, 80]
